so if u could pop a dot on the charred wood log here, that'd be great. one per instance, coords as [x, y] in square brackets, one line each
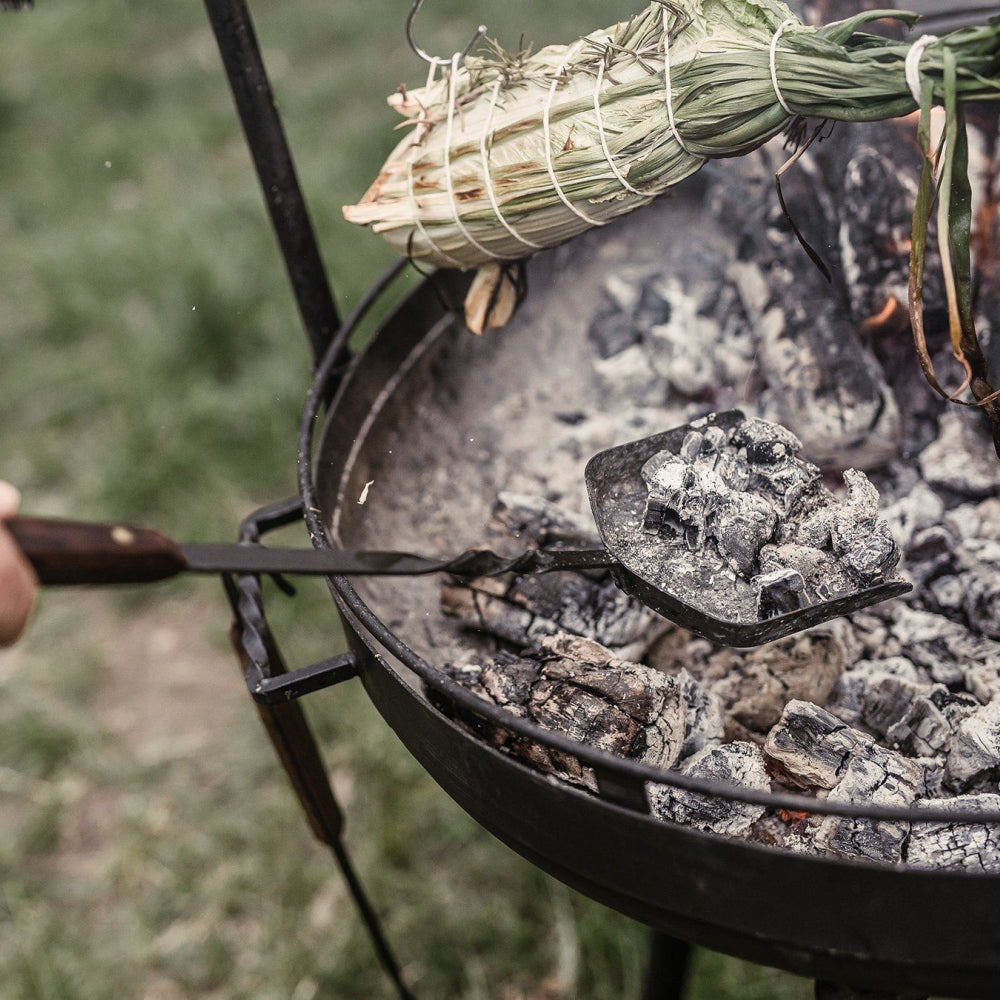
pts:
[754, 687]
[578, 688]
[736, 763]
[524, 610]
[967, 846]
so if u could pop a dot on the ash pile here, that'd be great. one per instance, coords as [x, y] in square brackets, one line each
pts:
[896, 705]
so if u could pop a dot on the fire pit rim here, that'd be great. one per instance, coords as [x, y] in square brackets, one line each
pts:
[332, 381]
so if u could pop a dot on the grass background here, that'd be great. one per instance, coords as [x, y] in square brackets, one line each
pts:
[152, 369]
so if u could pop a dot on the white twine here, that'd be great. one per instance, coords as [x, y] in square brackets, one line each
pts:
[790, 23]
[431, 73]
[416, 215]
[448, 179]
[550, 166]
[488, 180]
[912, 64]
[604, 139]
[667, 84]
[414, 207]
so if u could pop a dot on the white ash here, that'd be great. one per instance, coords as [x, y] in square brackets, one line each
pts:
[955, 460]
[972, 847]
[735, 763]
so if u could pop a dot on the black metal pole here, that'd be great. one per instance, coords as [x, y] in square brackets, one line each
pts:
[669, 959]
[265, 135]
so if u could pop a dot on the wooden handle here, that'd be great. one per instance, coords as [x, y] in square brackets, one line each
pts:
[66, 552]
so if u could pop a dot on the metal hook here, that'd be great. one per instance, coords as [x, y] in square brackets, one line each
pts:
[417, 4]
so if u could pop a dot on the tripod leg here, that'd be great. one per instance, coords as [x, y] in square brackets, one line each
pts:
[668, 965]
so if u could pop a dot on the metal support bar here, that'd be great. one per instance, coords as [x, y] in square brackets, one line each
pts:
[297, 683]
[275, 691]
[265, 135]
[669, 959]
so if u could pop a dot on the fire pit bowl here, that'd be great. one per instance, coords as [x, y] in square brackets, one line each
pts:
[421, 432]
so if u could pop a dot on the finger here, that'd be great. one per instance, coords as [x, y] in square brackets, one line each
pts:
[17, 578]
[10, 500]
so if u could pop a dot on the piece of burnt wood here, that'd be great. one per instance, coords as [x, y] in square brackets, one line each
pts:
[946, 650]
[968, 846]
[821, 379]
[736, 763]
[975, 747]
[887, 698]
[877, 777]
[961, 458]
[524, 610]
[753, 687]
[811, 748]
[930, 723]
[577, 687]
[706, 725]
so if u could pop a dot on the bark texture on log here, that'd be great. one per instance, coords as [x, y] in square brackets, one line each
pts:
[736, 763]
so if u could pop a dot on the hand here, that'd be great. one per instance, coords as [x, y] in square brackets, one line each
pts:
[17, 579]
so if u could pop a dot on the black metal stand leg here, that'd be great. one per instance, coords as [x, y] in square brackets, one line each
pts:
[230, 20]
[832, 991]
[668, 966]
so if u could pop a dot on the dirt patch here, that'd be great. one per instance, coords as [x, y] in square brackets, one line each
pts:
[170, 685]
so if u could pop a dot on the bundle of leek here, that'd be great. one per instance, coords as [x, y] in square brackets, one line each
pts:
[510, 154]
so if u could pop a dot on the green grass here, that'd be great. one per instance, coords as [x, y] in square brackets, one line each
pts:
[152, 368]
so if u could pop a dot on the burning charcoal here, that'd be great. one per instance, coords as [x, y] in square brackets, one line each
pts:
[982, 600]
[654, 307]
[920, 508]
[534, 519]
[776, 472]
[875, 698]
[863, 542]
[524, 610]
[930, 553]
[611, 330]
[975, 747]
[591, 696]
[853, 692]
[961, 459]
[822, 576]
[677, 348]
[971, 847]
[813, 749]
[790, 831]
[735, 763]
[946, 649]
[880, 182]
[749, 504]
[877, 777]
